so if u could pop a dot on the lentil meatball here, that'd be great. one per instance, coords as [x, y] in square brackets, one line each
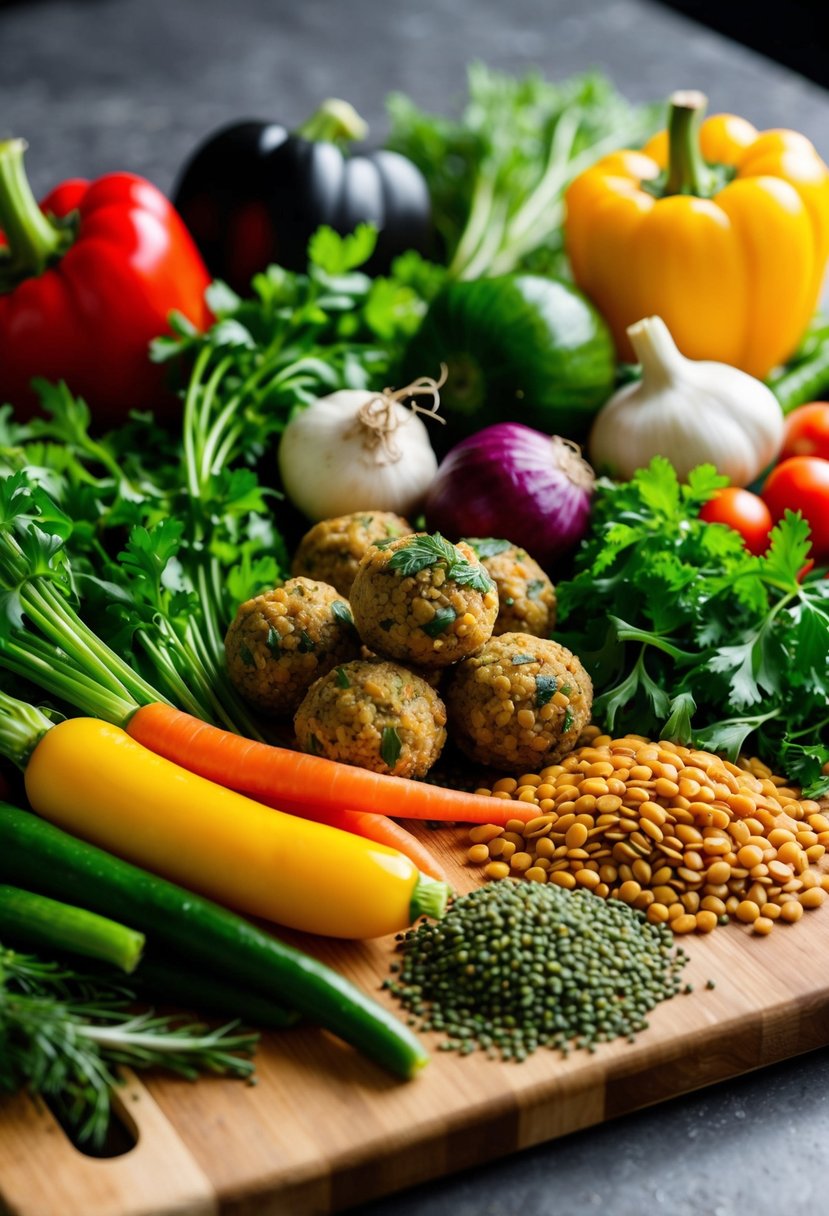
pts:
[332, 549]
[519, 703]
[282, 641]
[526, 597]
[376, 715]
[423, 601]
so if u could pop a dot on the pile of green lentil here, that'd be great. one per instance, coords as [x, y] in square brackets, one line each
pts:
[516, 966]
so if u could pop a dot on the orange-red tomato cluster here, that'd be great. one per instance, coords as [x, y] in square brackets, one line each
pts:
[798, 482]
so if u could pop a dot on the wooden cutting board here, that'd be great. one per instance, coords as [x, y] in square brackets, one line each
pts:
[324, 1129]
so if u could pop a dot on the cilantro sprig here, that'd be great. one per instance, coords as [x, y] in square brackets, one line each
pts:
[690, 637]
[422, 550]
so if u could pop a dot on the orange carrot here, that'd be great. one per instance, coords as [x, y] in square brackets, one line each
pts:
[378, 828]
[277, 775]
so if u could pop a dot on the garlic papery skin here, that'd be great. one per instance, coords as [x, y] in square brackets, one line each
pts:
[356, 450]
[691, 412]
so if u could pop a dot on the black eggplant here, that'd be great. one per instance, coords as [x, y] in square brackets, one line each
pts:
[253, 193]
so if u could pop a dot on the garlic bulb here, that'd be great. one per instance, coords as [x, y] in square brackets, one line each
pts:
[359, 451]
[691, 412]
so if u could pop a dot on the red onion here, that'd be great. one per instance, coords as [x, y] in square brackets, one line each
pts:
[515, 483]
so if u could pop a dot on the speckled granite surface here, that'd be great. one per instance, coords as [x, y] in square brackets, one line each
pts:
[96, 85]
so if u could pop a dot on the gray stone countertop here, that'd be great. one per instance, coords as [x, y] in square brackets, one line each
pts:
[98, 85]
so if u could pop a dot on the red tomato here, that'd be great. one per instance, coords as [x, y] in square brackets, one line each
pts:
[806, 431]
[801, 483]
[744, 512]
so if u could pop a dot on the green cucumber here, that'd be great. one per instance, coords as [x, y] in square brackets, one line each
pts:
[517, 348]
[36, 922]
[210, 937]
[166, 980]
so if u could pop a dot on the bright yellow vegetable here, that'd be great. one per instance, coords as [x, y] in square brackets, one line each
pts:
[93, 780]
[728, 250]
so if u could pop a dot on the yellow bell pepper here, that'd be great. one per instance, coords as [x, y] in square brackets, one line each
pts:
[720, 230]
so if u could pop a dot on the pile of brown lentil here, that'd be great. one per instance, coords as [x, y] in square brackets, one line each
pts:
[688, 838]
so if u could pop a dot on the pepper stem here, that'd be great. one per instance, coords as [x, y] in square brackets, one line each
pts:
[688, 172]
[33, 239]
[336, 122]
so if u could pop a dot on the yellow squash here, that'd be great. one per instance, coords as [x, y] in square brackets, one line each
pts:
[720, 230]
[93, 780]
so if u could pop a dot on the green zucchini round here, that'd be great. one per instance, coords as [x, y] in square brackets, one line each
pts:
[517, 348]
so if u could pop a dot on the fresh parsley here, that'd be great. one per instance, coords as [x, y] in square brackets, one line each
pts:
[690, 637]
[421, 551]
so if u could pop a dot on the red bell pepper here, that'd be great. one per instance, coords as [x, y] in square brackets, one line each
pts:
[86, 281]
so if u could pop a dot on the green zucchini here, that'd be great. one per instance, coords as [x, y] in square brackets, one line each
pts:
[210, 937]
[34, 922]
[517, 348]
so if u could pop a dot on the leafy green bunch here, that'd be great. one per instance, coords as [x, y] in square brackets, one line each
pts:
[497, 173]
[689, 637]
[159, 537]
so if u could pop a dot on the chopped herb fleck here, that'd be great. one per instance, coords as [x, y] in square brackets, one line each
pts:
[246, 656]
[390, 746]
[534, 588]
[440, 622]
[568, 719]
[545, 687]
[518, 660]
[567, 689]
[386, 624]
[274, 641]
[509, 601]
[342, 678]
[314, 745]
[306, 643]
[488, 546]
[341, 612]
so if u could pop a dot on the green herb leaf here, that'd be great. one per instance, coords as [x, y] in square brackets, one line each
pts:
[342, 678]
[274, 642]
[440, 622]
[421, 551]
[489, 546]
[545, 688]
[518, 660]
[306, 642]
[342, 613]
[390, 747]
[535, 588]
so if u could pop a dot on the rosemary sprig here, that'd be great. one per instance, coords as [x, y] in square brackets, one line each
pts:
[64, 1035]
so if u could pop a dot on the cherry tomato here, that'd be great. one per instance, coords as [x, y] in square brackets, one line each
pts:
[806, 431]
[744, 512]
[801, 483]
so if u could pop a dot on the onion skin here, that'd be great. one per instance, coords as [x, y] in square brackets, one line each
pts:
[515, 483]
